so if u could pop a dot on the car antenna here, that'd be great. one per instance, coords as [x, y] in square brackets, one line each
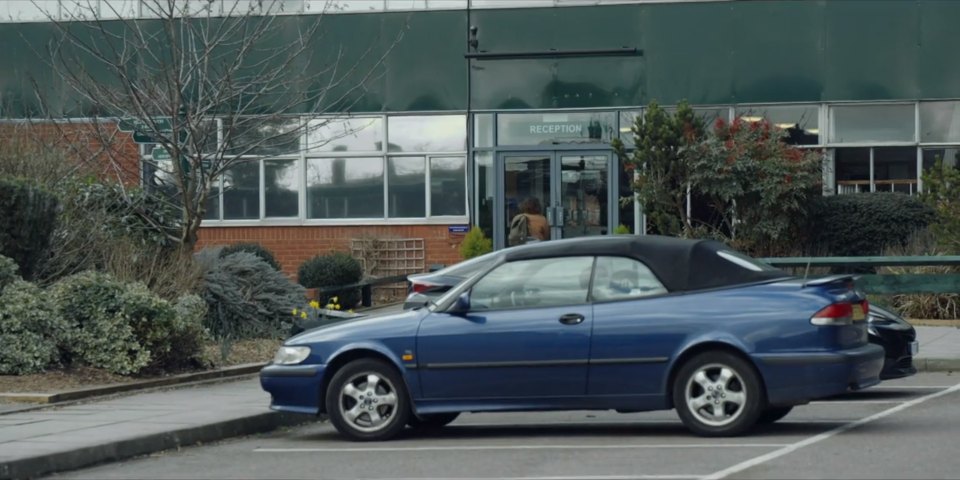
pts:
[806, 272]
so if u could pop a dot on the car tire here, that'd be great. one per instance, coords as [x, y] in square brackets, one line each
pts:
[367, 401]
[718, 394]
[772, 414]
[432, 421]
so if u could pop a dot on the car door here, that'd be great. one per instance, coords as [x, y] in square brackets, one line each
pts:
[637, 328]
[527, 334]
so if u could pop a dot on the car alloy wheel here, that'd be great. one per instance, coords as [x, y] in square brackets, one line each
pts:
[367, 400]
[717, 394]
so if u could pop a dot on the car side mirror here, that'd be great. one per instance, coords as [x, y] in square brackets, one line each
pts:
[463, 303]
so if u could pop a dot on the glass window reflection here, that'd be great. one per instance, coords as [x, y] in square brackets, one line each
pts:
[872, 123]
[939, 122]
[407, 187]
[345, 187]
[280, 188]
[435, 133]
[241, 191]
[800, 122]
[258, 136]
[345, 135]
[448, 186]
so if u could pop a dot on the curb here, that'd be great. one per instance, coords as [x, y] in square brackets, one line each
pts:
[937, 364]
[38, 465]
[46, 399]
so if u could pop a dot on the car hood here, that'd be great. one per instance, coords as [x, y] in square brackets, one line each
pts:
[385, 325]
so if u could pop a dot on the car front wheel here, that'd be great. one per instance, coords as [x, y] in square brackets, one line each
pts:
[367, 401]
[718, 394]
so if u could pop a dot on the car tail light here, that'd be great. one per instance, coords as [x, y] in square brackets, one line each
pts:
[843, 313]
[420, 287]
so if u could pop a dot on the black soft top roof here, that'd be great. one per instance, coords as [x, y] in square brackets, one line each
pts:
[680, 264]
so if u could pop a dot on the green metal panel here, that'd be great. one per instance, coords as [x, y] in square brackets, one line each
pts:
[910, 261]
[426, 70]
[938, 72]
[871, 50]
[551, 82]
[777, 51]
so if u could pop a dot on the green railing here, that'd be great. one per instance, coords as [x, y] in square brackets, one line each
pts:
[882, 284]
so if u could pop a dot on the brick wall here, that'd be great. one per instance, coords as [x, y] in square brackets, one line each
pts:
[100, 147]
[293, 245]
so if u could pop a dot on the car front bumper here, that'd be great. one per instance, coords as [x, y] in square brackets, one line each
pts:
[293, 388]
[795, 378]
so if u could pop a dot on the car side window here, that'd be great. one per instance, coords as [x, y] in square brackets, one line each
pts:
[618, 278]
[546, 282]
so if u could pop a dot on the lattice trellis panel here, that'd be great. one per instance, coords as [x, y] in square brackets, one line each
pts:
[385, 257]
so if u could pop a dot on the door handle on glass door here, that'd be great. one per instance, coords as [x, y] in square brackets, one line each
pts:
[571, 319]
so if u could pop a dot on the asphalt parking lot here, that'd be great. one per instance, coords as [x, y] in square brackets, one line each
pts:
[900, 429]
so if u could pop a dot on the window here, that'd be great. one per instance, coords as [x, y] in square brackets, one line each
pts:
[345, 187]
[340, 6]
[448, 186]
[801, 122]
[436, 133]
[258, 136]
[551, 128]
[406, 187]
[940, 122]
[876, 169]
[548, 282]
[949, 155]
[624, 279]
[485, 181]
[483, 130]
[345, 135]
[241, 191]
[872, 123]
[280, 188]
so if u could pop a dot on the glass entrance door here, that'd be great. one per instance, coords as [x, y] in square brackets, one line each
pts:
[558, 194]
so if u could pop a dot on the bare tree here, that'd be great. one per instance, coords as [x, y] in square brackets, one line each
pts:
[205, 87]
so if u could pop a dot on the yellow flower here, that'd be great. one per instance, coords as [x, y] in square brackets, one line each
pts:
[303, 314]
[294, 312]
[314, 304]
[350, 311]
[337, 306]
[328, 306]
[333, 300]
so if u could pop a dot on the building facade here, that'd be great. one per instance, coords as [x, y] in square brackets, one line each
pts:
[486, 103]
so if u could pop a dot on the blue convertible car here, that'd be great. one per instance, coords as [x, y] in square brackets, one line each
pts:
[624, 323]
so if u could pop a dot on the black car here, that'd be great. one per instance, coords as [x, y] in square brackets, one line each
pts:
[898, 339]
[887, 329]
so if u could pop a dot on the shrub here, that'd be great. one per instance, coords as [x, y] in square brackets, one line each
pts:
[864, 224]
[124, 328]
[333, 270]
[254, 248]
[29, 217]
[944, 306]
[8, 271]
[247, 298]
[622, 230]
[475, 243]
[941, 191]
[30, 330]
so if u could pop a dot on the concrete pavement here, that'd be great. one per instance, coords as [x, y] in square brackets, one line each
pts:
[38, 442]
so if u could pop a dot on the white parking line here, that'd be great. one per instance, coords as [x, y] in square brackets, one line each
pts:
[512, 447]
[823, 436]
[908, 387]
[565, 477]
[854, 402]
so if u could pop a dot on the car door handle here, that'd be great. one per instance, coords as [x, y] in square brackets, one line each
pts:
[571, 319]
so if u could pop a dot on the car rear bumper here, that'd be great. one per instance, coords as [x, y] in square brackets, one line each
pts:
[794, 378]
[293, 388]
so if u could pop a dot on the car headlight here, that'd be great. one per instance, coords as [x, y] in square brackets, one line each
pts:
[291, 355]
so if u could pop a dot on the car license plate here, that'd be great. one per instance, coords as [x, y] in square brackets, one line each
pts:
[914, 348]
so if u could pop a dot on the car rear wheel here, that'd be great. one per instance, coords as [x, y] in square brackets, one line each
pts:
[717, 394]
[367, 401]
[434, 420]
[772, 414]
